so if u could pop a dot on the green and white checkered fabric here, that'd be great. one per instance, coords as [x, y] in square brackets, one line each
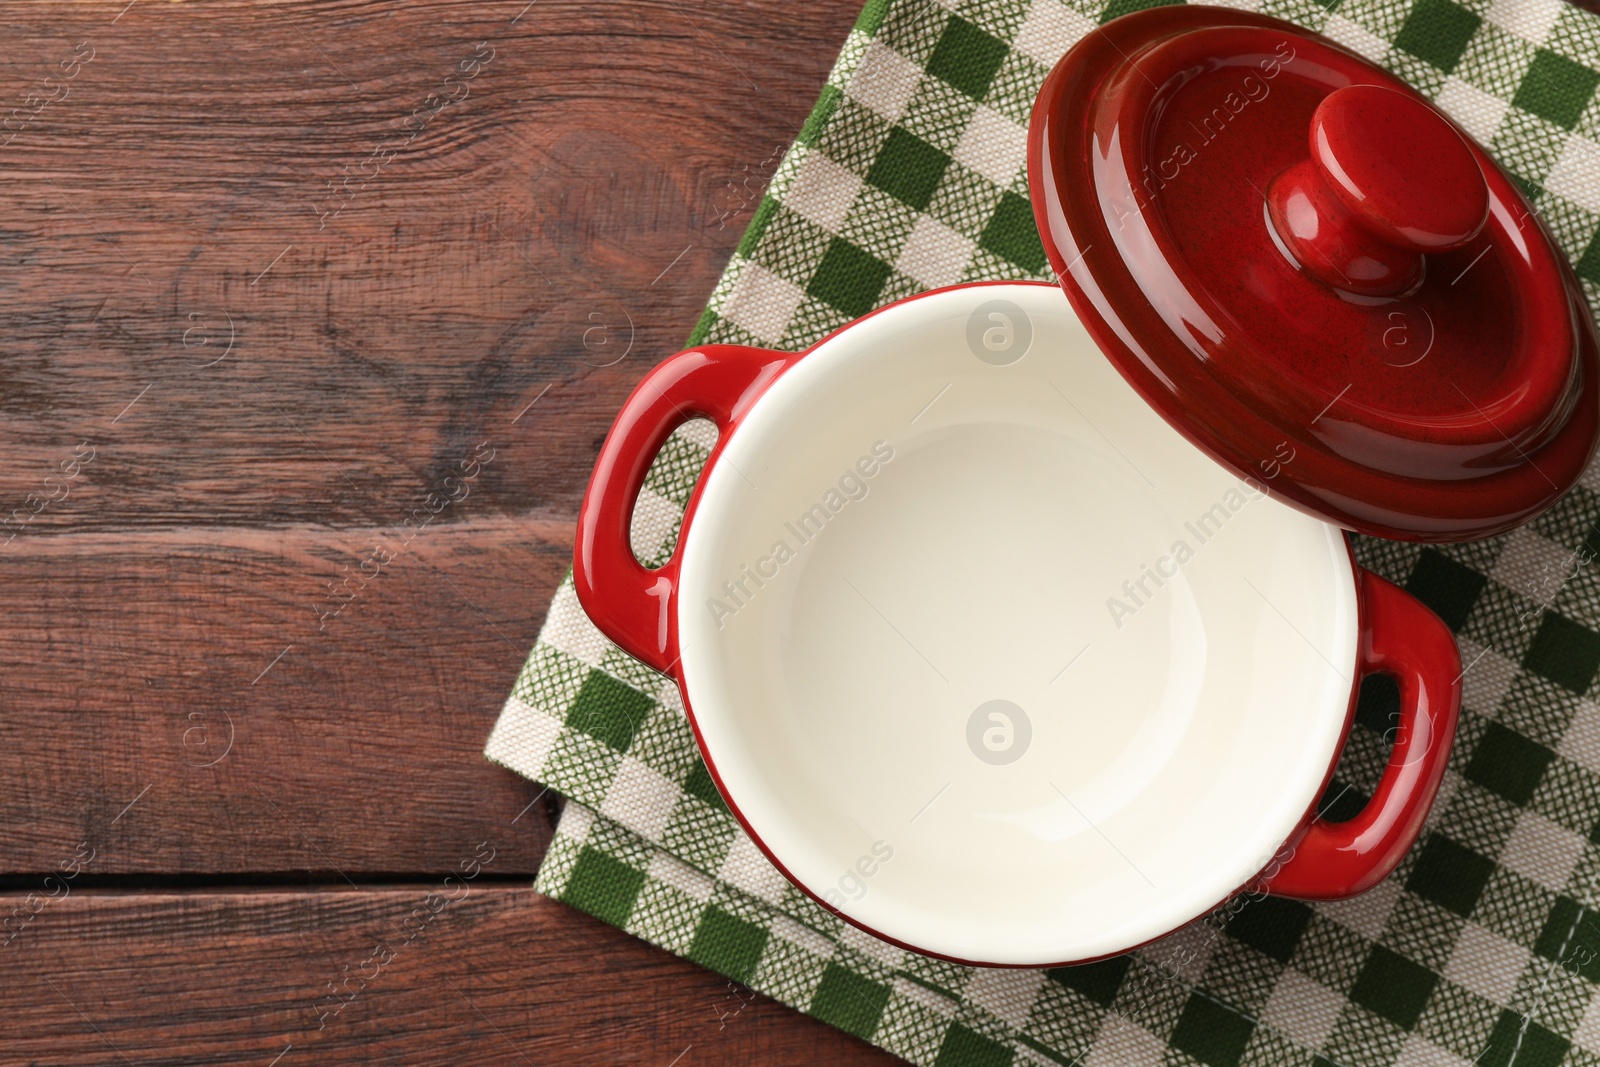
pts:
[1484, 947]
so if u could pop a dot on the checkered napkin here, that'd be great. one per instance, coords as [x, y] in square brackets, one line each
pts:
[1483, 947]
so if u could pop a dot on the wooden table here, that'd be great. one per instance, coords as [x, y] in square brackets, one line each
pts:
[271, 274]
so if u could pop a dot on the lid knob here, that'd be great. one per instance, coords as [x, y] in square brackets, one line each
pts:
[1388, 179]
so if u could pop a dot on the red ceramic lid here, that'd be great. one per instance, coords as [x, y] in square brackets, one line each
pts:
[1313, 274]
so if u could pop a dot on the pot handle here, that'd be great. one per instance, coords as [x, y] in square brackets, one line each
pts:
[1402, 638]
[628, 602]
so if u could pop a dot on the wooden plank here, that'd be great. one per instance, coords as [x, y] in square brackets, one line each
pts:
[499, 976]
[191, 671]
[555, 227]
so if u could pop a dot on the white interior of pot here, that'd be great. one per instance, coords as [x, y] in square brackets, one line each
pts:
[1172, 731]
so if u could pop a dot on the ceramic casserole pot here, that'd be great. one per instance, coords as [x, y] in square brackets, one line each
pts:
[1021, 628]
[988, 658]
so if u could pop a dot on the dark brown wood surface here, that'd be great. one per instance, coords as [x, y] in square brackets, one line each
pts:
[501, 976]
[251, 322]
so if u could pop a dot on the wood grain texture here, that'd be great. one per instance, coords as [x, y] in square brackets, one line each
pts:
[500, 976]
[190, 669]
[183, 185]
[265, 377]
[265, 303]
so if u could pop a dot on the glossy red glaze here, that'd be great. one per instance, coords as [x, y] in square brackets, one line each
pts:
[1456, 412]
[631, 604]
[1388, 178]
[1402, 638]
[636, 608]
[1322, 236]
[1400, 167]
